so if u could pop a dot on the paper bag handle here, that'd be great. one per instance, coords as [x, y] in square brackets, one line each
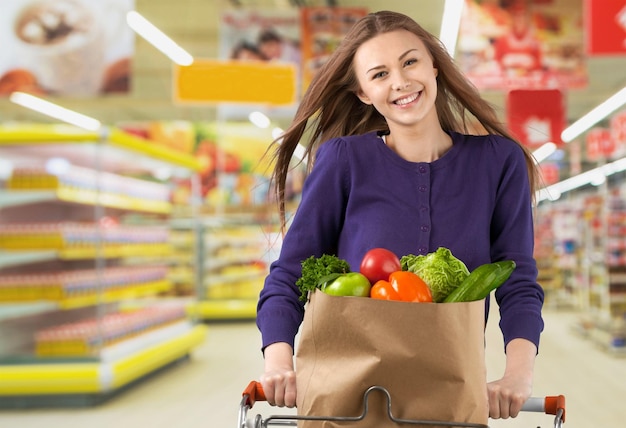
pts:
[253, 393]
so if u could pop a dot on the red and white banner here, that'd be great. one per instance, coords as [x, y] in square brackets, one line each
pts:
[599, 144]
[605, 22]
[550, 172]
[618, 133]
[536, 116]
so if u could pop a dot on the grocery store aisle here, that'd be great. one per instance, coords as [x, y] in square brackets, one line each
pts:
[204, 392]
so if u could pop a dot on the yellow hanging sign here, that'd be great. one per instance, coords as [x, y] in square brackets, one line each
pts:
[214, 81]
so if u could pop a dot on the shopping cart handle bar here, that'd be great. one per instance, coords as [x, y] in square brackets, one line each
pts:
[253, 393]
[550, 405]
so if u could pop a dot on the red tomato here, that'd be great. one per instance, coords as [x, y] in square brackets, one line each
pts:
[384, 291]
[410, 287]
[378, 264]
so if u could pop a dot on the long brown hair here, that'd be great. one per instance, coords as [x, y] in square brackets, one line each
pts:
[333, 109]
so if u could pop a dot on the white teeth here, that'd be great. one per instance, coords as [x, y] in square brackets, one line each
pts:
[406, 100]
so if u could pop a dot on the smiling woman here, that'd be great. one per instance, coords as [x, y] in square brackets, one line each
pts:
[392, 82]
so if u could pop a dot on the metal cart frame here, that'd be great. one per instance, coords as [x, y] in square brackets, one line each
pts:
[551, 405]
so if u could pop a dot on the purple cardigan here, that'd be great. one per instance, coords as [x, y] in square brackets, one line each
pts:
[474, 200]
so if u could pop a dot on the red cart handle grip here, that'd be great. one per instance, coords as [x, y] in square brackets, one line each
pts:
[253, 393]
[554, 404]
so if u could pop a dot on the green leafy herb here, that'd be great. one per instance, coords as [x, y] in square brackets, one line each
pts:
[316, 271]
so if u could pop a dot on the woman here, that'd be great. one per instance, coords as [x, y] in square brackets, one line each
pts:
[397, 169]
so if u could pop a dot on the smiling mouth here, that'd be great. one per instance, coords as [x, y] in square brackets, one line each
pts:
[407, 100]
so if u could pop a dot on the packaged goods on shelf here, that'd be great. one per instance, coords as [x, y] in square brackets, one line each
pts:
[88, 337]
[61, 235]
[65, 285]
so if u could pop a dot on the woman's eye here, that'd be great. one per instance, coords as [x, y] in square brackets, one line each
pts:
[410, 61]
[379, 75]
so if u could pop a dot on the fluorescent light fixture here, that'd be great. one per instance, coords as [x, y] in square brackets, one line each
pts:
[544, 152]
[450, 23]
[6, 169]
[158, 39]
[58, 166]
[594, 116]
[56, 111]
[259, 120]
[594, 177]
[300, 150]
[277, 133]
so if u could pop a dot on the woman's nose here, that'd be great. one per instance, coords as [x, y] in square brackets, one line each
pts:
[401, 83]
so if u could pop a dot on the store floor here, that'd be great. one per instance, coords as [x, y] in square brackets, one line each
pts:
[204, 392]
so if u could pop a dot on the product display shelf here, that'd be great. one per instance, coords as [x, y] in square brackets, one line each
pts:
[238, 248]
[603, 321]
[64, 203]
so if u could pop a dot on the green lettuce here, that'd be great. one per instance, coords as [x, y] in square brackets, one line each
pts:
[440, 270]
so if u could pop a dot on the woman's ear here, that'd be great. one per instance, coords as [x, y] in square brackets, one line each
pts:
[364, 99]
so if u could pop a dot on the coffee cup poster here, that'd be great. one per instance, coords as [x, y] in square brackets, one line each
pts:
[507, 44]
[74, 48]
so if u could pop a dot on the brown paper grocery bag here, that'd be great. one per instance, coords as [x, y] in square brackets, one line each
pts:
[428, 356]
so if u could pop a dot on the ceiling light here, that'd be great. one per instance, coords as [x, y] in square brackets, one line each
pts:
[259, 120]
[56, 111]
[450, 23]
[594, 116]
[594, 176]
[544, 152]
[277, 133]
[300, 151]
[158, 39]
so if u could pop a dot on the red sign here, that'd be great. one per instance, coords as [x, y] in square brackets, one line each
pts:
[606, 27]
[549, 172]
[618, 132]
[536, 116]
[599, 144]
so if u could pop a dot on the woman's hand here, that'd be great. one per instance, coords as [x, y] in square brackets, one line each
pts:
[279, 378]
[507, 395]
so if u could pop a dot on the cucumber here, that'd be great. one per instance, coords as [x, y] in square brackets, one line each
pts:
[482, 281]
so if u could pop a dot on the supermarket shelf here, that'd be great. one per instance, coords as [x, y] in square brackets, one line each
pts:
[22, 256]
[223, 309]
[12, 258]
[65, 134]
[16, 310]
[135, 292]
[85, 197]
[96, 378]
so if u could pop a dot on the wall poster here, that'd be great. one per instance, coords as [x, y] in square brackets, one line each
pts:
[76, 48]
[523, 43]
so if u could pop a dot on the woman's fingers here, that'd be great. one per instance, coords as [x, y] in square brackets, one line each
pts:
[280, 388]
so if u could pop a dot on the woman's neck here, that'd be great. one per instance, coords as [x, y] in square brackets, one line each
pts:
[419, 145]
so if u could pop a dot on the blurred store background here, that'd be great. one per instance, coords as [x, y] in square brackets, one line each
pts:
[123, 240]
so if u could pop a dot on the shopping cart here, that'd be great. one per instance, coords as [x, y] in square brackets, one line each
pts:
[552, 405]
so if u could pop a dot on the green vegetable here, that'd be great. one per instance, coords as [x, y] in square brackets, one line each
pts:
[317, 271]
[349, 284]
[482, 281]
[440, 270]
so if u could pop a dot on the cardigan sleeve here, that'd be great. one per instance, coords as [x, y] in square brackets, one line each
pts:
[520, 299]
[313, 232]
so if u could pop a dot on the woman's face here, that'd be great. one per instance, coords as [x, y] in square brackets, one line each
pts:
[396, 75]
